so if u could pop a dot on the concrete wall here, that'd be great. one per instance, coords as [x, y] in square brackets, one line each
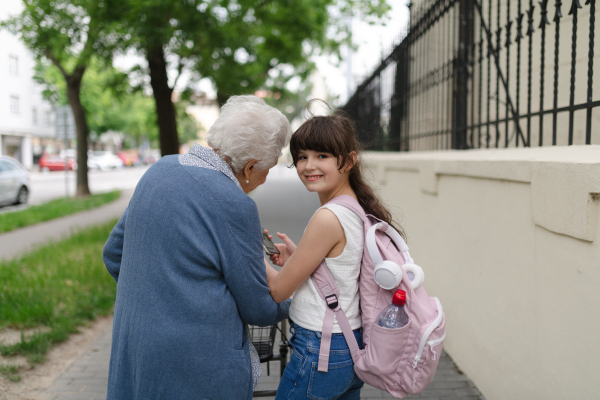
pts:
[509, 242]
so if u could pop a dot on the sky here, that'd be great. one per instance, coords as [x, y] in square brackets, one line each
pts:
[371, 43]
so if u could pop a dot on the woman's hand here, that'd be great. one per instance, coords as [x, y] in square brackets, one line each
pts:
[285, 250]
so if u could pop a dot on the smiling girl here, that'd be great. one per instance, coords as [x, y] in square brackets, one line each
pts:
[325, 153]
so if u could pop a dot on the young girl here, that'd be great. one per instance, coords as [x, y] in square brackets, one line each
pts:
[325, 153]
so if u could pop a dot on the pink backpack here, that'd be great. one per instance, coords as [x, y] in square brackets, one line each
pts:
[400, 361]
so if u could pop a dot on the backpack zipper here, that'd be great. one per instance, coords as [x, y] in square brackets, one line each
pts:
[435, 342]
[425, 336]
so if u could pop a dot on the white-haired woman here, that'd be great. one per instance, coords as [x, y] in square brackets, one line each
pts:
[187, 258]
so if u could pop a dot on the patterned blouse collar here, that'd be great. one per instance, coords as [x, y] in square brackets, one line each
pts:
[200, 156]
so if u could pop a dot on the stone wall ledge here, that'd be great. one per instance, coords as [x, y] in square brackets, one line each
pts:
[565, 180]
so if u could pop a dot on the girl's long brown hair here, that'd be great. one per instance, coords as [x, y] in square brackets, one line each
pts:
[336, 135]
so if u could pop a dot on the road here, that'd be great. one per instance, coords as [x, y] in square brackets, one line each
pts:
[46, 186]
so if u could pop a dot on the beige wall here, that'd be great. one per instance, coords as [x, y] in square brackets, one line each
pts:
[509, 242]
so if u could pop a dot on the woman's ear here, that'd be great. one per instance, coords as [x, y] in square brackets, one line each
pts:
[249, 167]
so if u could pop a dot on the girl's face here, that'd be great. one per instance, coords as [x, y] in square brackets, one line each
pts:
[319, 171]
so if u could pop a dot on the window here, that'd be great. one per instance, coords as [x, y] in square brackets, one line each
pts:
[48, 119]
[34, 116]
[13, 65]
[10, 166]
[14, 105]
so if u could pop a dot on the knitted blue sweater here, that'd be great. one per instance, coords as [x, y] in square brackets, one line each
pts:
[187, 258]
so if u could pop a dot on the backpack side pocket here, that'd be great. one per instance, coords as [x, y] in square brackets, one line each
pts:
[379, 364]
[421, 365]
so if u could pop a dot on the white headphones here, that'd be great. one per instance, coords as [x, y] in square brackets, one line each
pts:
[387, 273]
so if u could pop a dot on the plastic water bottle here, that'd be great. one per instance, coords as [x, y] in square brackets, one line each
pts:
[394, 316]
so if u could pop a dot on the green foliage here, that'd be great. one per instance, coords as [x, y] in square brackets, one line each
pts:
[243, 45]
[53, 209]
[68, 32]
[59, 286]
[11, 372]
[109, 100]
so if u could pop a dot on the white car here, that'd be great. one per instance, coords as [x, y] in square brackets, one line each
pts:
[103, 160]
[14, 182]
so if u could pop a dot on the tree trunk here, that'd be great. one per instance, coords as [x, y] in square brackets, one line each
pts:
[222, 98]
[165, 110]
[73, 90]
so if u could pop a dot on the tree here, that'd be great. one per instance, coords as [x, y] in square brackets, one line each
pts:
[110, 102]
[68, 33]
[242, 45]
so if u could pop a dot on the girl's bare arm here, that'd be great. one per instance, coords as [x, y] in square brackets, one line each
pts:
[323, 233]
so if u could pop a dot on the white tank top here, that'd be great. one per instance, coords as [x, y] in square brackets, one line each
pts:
[308, 309]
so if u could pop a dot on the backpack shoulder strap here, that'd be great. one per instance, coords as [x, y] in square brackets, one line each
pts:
[329, 291]
[351, 204]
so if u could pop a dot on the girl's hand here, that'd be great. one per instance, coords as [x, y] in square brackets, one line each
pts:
[285, 250]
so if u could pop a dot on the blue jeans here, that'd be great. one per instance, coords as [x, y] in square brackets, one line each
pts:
[301, 380]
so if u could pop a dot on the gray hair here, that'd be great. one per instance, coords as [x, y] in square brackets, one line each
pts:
[249, 129]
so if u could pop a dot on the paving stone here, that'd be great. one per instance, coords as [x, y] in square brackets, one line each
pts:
[78, 396]
[467, 392]
[77, 375]
[449, 384]
[63, 381]
[437, 392]
[92, 381]
[87, 379]
[463, 398]
[66, 389]
[447, 378]
[46, 396]
[94, 389]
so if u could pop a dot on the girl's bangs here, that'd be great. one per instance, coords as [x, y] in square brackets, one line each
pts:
[316, 134]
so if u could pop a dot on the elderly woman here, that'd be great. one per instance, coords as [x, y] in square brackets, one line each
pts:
[188, 262]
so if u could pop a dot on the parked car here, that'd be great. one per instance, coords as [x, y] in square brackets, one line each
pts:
[14, 182]
[151, 156]
[103, 160]
[129, 158]
[56, 163]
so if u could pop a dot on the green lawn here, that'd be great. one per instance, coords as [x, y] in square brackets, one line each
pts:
[53, 209]
[59, 287]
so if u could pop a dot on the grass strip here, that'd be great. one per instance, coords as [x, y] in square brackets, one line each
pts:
[59, 287]
[54, 209]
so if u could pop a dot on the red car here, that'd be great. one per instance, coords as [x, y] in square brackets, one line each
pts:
[55, 163]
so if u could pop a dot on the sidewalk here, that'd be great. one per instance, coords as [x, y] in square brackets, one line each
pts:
[87, 377]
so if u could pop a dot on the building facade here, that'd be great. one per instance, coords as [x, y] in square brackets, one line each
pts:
[26, 119]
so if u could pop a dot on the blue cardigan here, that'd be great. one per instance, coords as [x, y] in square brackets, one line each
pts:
[187, 258]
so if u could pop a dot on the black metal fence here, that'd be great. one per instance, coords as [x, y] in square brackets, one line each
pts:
[485, 73]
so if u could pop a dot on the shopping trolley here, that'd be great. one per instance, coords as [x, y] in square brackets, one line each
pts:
[263, 340]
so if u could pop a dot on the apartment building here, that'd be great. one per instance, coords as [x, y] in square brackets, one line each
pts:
[26, 119]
